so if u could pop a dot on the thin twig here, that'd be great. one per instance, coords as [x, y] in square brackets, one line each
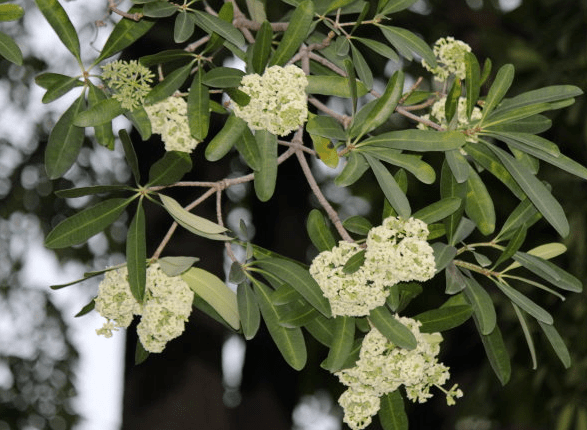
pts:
[345, 120]
[195, 45]
[134, 16]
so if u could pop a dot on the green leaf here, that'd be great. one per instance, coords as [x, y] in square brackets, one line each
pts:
[392, 329]
[59, 21]
[443, 255]
[464, 230]
[11, 12]
[169, 85]
[236, 275]
[351, 81]
[536, 192]
[184, 27]
[394, 195]
[223, 77]
[545, 252]
[412, 163]
[497, 91]
[225, 138]
[80, 227]
[354, 263]
[352, 171]
[319, 232]
[130, 154]
[321, 329]
[256, 10]
[191, 222]
[325, 151]
[247, 147]
[215, 293]
[450, 188]
[325, 126]
[523, 140]
[103, 133]
[101, 113]
[198, 108]
[534, 124]
[478, 204]
[88, 191]
[226, 14]
[296, 314]
[557, 343]
[418, 140]
[212, 24]
[262, 47]
[549, 94]
[524, 214]
[379, 48]
[175, 266]
[452, 101]
[497, 354]
[482, 305]
[472, 81]
[169, 169]
[297, 30]
[266, 176]
[141, 354]
[343, 337]
[57, 85]
[393, 6]
[525, 303]
[136, 254]
[248, 310]
[458, 164]
[141, 122]
[86, 309]
[333, 86]
[289, 341]
[165, 57]
[455, 281]
[513, 245]
[439, 210]
[496, 119]
[65, 141]
[362, 67]
[299, 278]
[239, 97]
[443, 319]
[357, 224]
[407, 291]
[527, 335]
[392, 414]
[159, 9]
[407, 44]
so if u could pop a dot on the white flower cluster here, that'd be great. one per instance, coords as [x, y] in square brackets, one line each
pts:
[438, 115]
[383, 367]
[130, 81]
[278, 100]
[166, 308]
[169, 119]
[397, 251]
[450, 55]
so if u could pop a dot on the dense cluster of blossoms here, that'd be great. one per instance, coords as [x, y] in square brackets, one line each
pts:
[278, 100]
[166, 307]
[383, 367]
[129, 80]
[450, 56]
[438, 115]
[169, 119]
[397, 251]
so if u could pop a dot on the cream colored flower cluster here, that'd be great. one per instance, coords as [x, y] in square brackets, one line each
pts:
[169, 119]
[397, 251]
[278, 100]
[383, 367]
[438, 115]
[166, 308]
[129, 80]
[450, 55]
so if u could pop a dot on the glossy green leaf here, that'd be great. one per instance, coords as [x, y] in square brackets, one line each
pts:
[392, 329]
[450, 188]
[262, 47]
[10, 12]
[513, 245]
[557, 343]
[248, 310]
[223, 77]
[247, 147]
[379, 48]
[225, 138]
[524, 214]
[101, 113]
[183, 28]
[165, 57]
[354, 263]
[443, 255]
[408, 44]
[57, 85]
[325, 126]
[319, 232]
[212, 24]
[77, 281]
[351, 82]
[289, 341]
[472, 81]
[439, 210]
[527, 334]
[417, 140]
[296, 314]
[65, 141]
[321, 329]
[343, 337]
[103, 133]
[362, 67]
[497, 354]
[80, 227]
[86, 309]
[159, 9]
[236, 275]
[59, 21]
[525, 303]
[226, 14]
[88, 191]
[496, 119]
[455, 280]
[548, 271]
[215, 293]
[407, 291]
[452, 101]
[297, 31]
[170, 168]
[130, 154]
[549, 94]
[136, 254]
[444, 318]
[464, 230]
[266, 176]
[521, 140]
[352, 171]
[482, 305]
[497, 91]
[392, 414]
[325, 151]
[393, 6]
[534, 124]
[394, 195]
[412, 163]
[175, 266]
[198, 108]
[458, 164]
[140, 120]
[333, 86]
[357, 224]
[169, 85]
[479, 205]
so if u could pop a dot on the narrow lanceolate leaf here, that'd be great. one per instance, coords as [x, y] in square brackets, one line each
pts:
[289, 341]
[455, 280]
[175, 266]
[299, 278]
[165, 57]
[212, 24]
[392, 414]
[394, 195]
[319, 231]
[525, 303]
[412, 163]
[58, 19]
[392, 329]
[527, 141]
[418, 140]
[223, 77]
[198, 108]
[124, 34]
[262, 48]
[479, 205]
[458, 165]
[497, 91]
[408, 44]
[514, 244]
[159, 9]
[140, 120]
[439, 210]
[256, 9]
[136, 254]
[343, 337]
[497, 354]
[184, 27]
[297, 30]
[351, 81]
[86, 309]
[482, 305]
[85, 224]
[524, 214]
[57, 85]
[352, 171]
[451, 188]
[325, 126]
[362, 67]
[266, 176]
[557, 343]
[169, 85]
[443, 255]
[549, 94]
[170, 168]
[65, 141]
[452, 102]
[130, 154]
[248, 310]
[225, 139]
[472, 81]
[102, 112]
[215, 292]
[393, 6]
[444, 318]
[333, 86]
[247, 147]
[354, 263]
[536, 192]
[548, 271]
[378, 47]
[527, 334]
[88, 191]
[103, 133]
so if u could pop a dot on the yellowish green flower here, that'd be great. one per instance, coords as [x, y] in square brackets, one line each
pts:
[169, 119]
[130, 82]
[450, 57]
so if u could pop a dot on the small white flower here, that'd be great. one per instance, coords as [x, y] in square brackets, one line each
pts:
[359, 406]
[278, 100]
[438, 115]
[169, 119]
[450, 56]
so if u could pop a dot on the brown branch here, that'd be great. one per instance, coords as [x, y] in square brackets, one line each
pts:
[345, 120]
[134, 16]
